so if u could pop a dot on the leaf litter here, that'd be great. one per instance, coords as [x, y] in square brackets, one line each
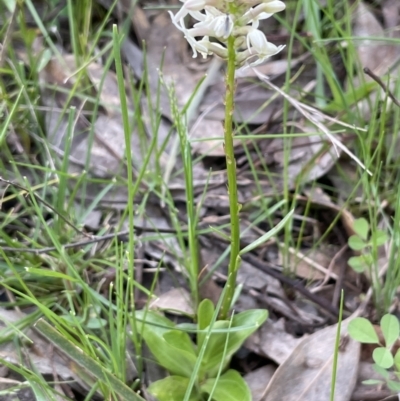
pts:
[292, 338]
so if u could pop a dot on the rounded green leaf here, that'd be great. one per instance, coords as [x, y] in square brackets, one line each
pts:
[361, 228]
[361, 329]
[356, 243]
[383, 357]
[228, 387]
[357, 264]
[390, 329]
[379, 238]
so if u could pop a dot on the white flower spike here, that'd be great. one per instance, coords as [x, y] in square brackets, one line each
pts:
[220, 19]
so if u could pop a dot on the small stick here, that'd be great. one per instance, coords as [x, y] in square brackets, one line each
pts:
[383, 86]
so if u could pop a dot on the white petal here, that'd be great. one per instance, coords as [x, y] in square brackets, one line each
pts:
[258, 41]
[274, 7]
[222, 26]
[194, 5]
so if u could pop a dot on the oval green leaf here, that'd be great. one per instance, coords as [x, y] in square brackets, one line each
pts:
[390, 329]
[361, 228]
[356, 243]
[383, 357]
[361, 329]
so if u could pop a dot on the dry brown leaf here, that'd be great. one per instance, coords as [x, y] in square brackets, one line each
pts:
[176, 301]
[272, 341]
[378, 56]
[258, 379]
[307, 372]
[311, 264]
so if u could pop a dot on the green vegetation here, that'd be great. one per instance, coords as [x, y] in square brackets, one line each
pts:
[109, 197]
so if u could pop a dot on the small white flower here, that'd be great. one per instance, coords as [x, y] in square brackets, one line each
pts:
[215, 19]
[218, 27]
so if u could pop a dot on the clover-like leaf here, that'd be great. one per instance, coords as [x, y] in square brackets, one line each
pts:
[228, 387]
[390, 329]
[361, 228]
[357, 263]
[362, 330]
[356, 243]
[383, 357]
[379, 238]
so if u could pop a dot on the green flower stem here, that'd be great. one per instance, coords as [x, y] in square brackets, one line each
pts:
[234, 206]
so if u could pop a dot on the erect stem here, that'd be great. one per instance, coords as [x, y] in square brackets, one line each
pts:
[234, 206]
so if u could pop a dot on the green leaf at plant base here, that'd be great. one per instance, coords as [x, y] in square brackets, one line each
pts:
[379, 238]
[168, 350]
[361, 329]
[390, 329]
[177, 361]
[180, 340]
[383, 357]
[361, 228]
[172, 388]
[357, 263]
[229, 340]
[356, 243]
[205, 313]
[228, 387]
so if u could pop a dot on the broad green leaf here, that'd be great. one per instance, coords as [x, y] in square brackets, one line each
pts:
[172, 388]
[243, 325]
[153, 321]
[383, 357]
[228, 387]
[268, 235]
[390, 329]
[361, 228]
[180, 340]
[356, 243]
[361, 329]
[177, 361]
[205, 314]
[357, 263]
[379, 238]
